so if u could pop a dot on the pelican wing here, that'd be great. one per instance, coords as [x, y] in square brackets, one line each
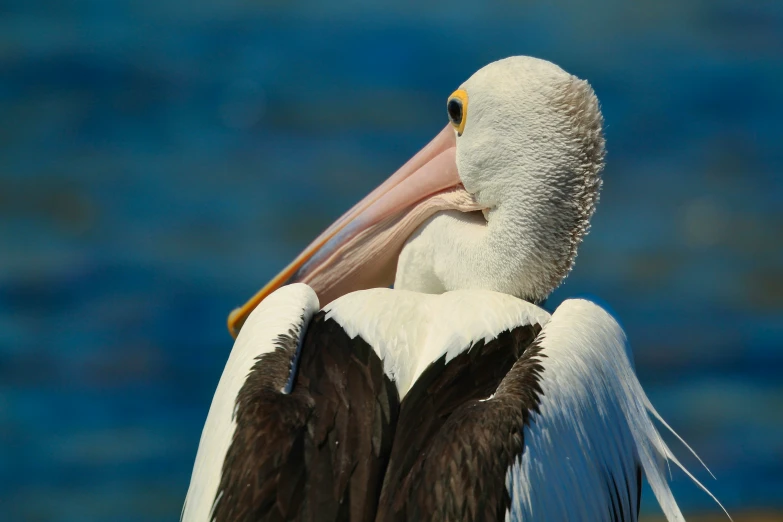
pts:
[565, 435]
[282, 441]
[452, 446]
[590, 439]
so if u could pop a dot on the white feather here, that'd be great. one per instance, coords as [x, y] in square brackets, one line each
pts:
[288, 309]
[594, 420]
[410, 330]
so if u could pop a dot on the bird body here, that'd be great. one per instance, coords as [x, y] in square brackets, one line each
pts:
[399, 405]
[453, 396]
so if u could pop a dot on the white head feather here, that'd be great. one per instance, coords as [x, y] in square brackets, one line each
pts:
[531, 151]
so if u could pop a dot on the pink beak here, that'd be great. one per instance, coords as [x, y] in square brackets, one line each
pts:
[360, 249]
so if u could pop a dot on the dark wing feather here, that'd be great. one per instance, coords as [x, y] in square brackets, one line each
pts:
[312, 454]
[448, 462]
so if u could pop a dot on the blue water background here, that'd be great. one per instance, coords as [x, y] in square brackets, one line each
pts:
[161, 160]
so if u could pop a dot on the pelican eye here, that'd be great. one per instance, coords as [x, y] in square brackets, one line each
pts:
[455, 111]
[457, 107]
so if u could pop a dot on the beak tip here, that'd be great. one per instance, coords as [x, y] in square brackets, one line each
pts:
[235, 322]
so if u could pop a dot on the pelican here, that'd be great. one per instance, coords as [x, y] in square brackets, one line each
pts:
[453, 396]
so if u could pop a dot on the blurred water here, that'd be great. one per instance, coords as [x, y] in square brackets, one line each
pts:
[160, 160]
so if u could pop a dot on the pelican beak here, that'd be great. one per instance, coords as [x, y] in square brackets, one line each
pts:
[360, 249]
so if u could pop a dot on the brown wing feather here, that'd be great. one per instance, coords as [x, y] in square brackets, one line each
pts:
[312, 454]
[448, 462]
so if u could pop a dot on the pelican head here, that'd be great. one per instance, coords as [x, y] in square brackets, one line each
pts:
[499, 200]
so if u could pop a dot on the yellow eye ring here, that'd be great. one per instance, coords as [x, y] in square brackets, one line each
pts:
[457, 108]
